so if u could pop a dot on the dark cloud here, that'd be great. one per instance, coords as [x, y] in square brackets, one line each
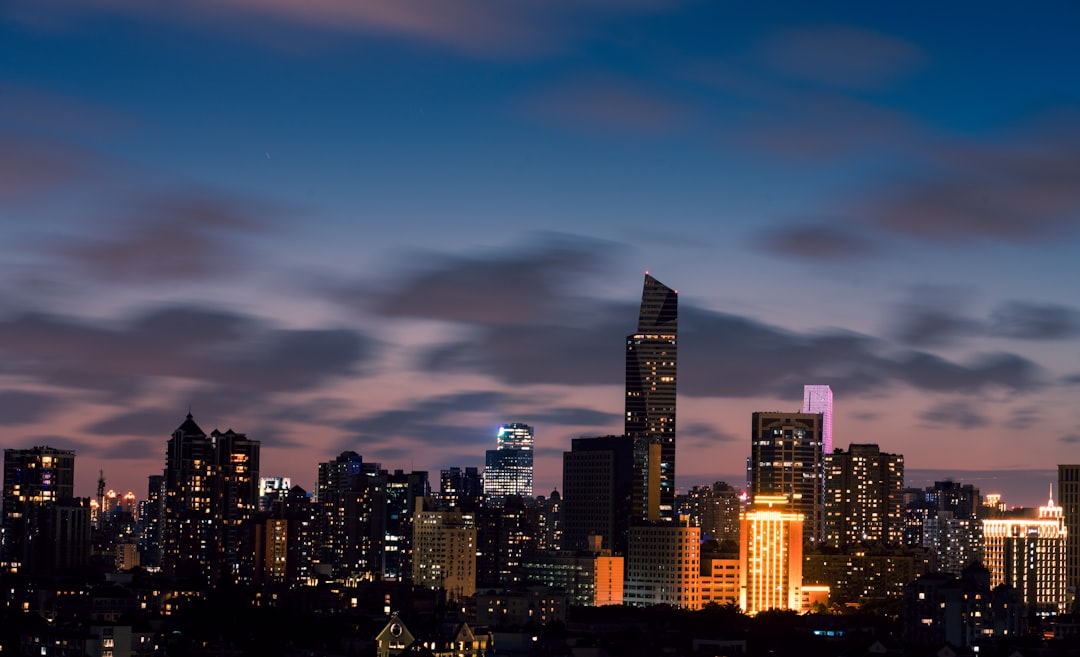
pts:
[575, 416]
[225, 349]
[958, 415]
[1070, 439]
[24, 407]
[817, 241]
[432, 421]
[701, 434]
[169, 237]
[1029, 321]
[842, 56]
[1019, 191]
[511, 287]
[935, 320]
[1023, 418]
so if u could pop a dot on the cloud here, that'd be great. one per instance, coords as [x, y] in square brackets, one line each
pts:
[701, 434]
[433, 420]
[1023, 418]
[1029, 321]
[817, 241]
[509, 288]
[1021, 190]
[842, 56]
[1070, 439]
[200, 344]
[955, 414]
[168, 237]
[604, 105]
[479, 28]
[32, 168]
[932, 319]
[24, 407]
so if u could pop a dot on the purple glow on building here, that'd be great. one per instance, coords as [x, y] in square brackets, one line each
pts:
[818, 399]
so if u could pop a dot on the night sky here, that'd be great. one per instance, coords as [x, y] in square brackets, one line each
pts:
[389, 227]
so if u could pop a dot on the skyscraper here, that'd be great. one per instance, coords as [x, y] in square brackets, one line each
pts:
[818, 399]
[863, 496]
[597, 475]
[45, 529]
[770, 555]
[508, 469]
[651, 358]
[786, 459]
[211, 492]
[1028, 554]
[1069, 498]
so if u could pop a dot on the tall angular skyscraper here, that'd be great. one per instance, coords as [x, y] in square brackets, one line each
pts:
[651, 359]
[818, 399]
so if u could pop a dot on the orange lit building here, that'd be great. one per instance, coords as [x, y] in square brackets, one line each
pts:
[770, 555]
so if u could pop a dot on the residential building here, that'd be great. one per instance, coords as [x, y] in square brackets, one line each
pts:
[663, 565]
[444, 550]
[863, 496]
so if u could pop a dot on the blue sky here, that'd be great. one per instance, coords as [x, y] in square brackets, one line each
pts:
[388, 227]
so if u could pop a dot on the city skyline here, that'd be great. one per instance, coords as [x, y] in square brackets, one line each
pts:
[390, 231]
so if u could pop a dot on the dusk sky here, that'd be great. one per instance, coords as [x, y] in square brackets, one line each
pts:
[389, 227]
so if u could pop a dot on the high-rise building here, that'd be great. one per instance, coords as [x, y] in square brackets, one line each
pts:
[715, 509]
[211, 493]
[508, 469]
[597, 475]
[1028, 554]
[444, 551]
[818, 399]
[786, 459]
[770, 555]
[663, 565]
[460, 489]
[1069, 498]
[549, 519]
[863, 496]
[651, 358]
[43, 528]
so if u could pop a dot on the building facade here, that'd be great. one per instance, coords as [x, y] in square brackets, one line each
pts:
[651, 359]
[38, 507]
[786, 459]
[597, 474]
[863, 496]
[663, 566]
[211, 494]
[1069, 498]
[508, 469]
[444, 550]
[770, 555]
[1028, 554]
[819, 399]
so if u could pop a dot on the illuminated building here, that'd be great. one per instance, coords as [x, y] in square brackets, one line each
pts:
[448, 640]
[818, 399]
[591, 577]
[770, 555]
[272, 488]
[211, 491]
[863, 496]
[786, 459]
[597, 476]
[460, 489]
[663, 565]
[865, 574]
[508, 469]
[528, 605]
[284, 539]
[44, 528]
[1069, 498]
[444, 551]
[395, 548]
[651, 358]
[549, 521]
[342, 525]
[945, 518]
[506, 536]
[715, 509]
[720, 580]
[1028, 554]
